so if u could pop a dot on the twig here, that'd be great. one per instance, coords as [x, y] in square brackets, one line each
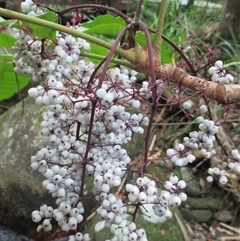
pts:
[236, 230]
[183, 229]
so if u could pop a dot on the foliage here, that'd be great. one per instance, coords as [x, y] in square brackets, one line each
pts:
[10, 81]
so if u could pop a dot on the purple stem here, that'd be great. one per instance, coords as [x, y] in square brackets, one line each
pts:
[138, 11]
[96, 6]
[111, 53]
[154, 94]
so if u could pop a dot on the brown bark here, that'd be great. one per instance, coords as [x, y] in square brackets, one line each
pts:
[222, 93]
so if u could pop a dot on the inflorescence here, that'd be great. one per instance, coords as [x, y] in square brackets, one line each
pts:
[84, 128]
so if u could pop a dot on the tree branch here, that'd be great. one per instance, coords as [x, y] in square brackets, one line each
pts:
[222, 93]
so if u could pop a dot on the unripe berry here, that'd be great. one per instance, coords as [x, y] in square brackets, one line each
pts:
[79, 236]
[187, 105]
[168, 185]
[133, 236]
[181, 184]
[51, 187]
[209, 178]
[223, 180]
[33, 92]
[101, 93]
[66, 209]
[167, 214]
[86, 237]
[36, 218]
[118, 219]
[142, 196]
[182, 196]
[132, 226]
[72, 222]
[141, 232]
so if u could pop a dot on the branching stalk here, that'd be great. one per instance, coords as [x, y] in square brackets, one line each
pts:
[111, 53]
[138, 11]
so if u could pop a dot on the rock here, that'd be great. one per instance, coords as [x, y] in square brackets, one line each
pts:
[8, 235]
[224, 216]
[204, 203]
[192, 188]
[21, 189]
[200, 216]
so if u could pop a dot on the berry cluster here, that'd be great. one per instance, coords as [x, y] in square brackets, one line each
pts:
[89, 117]
[179, 156]
[83, 129]
[112, 210]
[235, 164]
[203, 138]
[221, 174]
[219, 73]
[131, 233]
[171, 197]
[143, 192]
[79, 237]
[66, 216]
[31, 8]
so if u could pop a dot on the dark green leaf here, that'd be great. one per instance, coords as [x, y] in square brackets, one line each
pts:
[37, 30]
[49, 16]
[11, 83]
[110, 26]
[106, 25]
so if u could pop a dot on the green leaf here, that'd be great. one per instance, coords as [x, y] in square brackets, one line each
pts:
[106, 25]
[49, 16]
[4, 57]
[110, 26]
[141, 38]
[10, 82]
[96, 49]
[37, 30]
[6, 40]
[166, 51]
